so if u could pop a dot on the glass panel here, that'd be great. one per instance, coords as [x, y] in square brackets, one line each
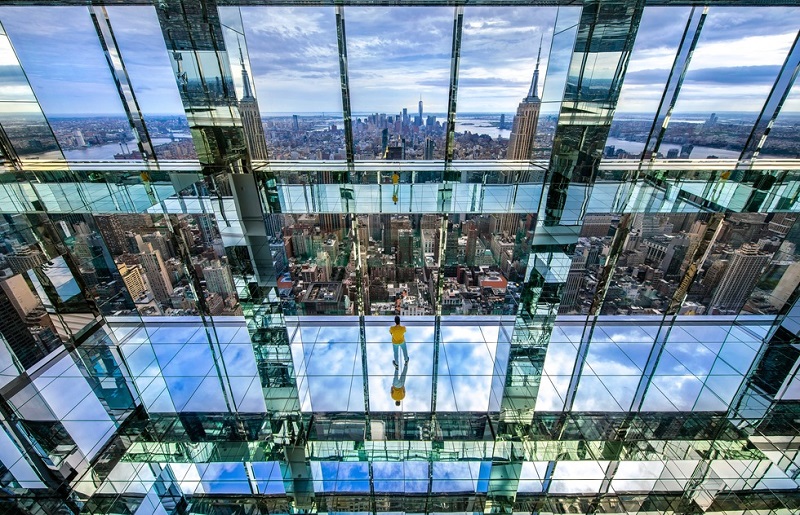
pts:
[20, 115]
[782, 141]
[78, 96]
[328, 369]
[100, 275]
[657, 253]
[747, 254]
[141, 44]
[652, 59]
[399, 84]
[409, 385]
[294, 58]
[566, 29]
[149, 255]
[588, 262]
[781, 276]
[498, 58]
[559, 364]
[732, 70]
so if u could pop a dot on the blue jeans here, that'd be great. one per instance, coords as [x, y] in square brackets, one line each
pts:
[396, 347]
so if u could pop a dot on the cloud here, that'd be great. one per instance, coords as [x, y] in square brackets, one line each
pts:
[735, 75]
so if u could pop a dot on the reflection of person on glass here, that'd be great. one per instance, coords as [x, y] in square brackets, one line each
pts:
[398, 333]
[396, 189]
[398, 390]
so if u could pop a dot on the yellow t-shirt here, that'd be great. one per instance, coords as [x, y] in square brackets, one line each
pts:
[398, 333]
[398, 393]
[395, 179]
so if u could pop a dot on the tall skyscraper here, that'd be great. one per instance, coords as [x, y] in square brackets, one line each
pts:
[741, 276]
[471, 230]
[218, 278]
[156, 273]
[405, 247]
[251, 118]
[429, 148]
[420, 108]
[523, 131]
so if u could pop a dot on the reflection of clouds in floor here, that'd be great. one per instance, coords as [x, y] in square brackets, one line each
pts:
[269, 477]
[329, 371]
[465, 373]
[609, 378]
[329, 368]
[418, 378]
[700, 368]
[227, 477]
[407, 477]
[340, 476]
[459, 476]
[531, 476]
[637, 476]
[223, 478]
[680, 392]
[175, 369]
[578, 477]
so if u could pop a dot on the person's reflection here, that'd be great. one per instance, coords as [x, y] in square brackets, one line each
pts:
[398, 390]
[396, 186]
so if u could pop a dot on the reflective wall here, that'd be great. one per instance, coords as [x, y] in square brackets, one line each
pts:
[585, 216]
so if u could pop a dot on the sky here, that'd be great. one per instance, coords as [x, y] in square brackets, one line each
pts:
[395, 56]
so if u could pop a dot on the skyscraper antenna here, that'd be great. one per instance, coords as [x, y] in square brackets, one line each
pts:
[248, 92]
[533, 93]
[539, 56]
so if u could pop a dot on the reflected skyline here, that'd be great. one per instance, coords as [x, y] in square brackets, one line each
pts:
[196, 317]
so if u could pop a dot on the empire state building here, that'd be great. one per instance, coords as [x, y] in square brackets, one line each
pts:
[251, 119]
[520, 144]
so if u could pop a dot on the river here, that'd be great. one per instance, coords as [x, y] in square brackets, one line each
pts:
[105, 152]
[635, 147]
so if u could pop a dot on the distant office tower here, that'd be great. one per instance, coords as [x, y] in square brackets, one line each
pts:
[295, 121]
[218, 278]
[574, 279]
[740, 278]
[134, 282]
[520, 143]
[331, 222]
[251, 118]
[25, 258]
[79, 139]
[395, 150]
[429, 147]
[24, 325]
[471, 229]
[405, 247]
[420, 109]
[509, 223]
[502, 122]
[16, 334]
[786, 286]
[156, 273]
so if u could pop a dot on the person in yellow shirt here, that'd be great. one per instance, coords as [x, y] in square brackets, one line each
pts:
[398, 333]
[398, 390]
[396, 187]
